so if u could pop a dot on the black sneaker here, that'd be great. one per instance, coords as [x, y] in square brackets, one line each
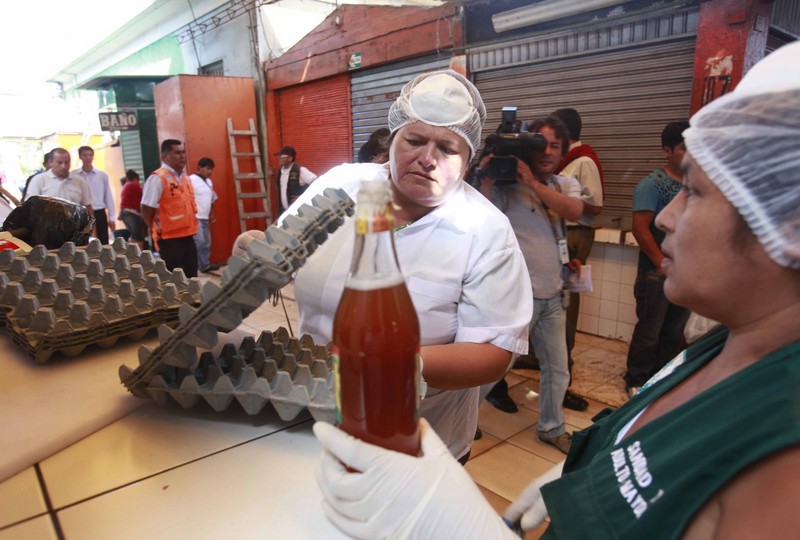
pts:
[575, 402]
[503, 403]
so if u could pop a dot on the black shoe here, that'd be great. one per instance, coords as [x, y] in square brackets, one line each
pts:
[575, 402]
[478, 434]
[503, 403]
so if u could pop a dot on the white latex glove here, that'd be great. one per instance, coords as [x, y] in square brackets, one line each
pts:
[529, 510]
[399, 496]
[244, 239]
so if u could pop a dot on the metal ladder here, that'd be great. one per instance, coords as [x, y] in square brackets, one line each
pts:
[260, 186]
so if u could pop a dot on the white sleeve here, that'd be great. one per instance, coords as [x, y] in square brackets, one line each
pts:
[496, 301]
[587, 173]
[109, 200]
[306, 176]
[151, 193]
[569, 186]
[35, 187]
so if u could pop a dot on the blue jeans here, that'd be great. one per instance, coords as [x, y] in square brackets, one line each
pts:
[658, 334]
[203, 242]
[548, 338]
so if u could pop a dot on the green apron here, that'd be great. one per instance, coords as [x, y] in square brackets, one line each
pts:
[652, 482]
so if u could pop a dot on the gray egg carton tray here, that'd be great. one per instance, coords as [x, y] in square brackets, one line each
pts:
[67, 299]
[291, 374]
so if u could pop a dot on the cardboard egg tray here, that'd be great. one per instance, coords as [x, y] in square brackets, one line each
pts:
[291, 373]
[67, 299]
[288, 373]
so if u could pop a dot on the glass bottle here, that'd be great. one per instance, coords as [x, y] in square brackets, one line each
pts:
[376, 335]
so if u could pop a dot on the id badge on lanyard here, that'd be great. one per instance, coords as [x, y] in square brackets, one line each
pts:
[563, 253]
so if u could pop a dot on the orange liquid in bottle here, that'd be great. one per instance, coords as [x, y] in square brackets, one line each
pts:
[376, 336]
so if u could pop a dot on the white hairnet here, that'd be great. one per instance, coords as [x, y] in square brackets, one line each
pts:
[748, 143]
[443, 99]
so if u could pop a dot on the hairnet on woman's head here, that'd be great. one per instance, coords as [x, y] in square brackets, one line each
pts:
[443, 99]
[748, 143]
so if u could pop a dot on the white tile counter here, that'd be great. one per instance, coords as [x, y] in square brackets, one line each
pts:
[166, 472]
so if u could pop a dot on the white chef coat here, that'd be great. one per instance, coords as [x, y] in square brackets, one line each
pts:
[465, 273]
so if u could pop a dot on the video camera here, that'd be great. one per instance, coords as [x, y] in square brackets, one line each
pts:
[511, 141]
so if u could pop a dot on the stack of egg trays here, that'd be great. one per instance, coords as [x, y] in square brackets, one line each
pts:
[247, 282]
[291, 373]
[67, 299]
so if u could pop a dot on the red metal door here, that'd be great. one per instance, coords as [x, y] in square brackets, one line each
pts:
[316, 121]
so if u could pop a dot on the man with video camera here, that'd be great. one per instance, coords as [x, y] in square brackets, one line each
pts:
[522, 184]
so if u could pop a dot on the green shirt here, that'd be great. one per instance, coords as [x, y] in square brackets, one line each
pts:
[652, 482]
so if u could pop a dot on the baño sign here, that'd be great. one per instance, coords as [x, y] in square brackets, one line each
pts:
[119, 121]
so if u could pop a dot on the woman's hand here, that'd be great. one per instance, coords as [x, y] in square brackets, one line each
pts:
[244, 239]
[394, 495]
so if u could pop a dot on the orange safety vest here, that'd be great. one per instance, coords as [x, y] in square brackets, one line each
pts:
[176, 216]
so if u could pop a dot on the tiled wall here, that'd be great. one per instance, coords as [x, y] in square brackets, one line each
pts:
[610, 309]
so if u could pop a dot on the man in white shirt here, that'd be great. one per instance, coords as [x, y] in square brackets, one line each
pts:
[294, 178]
[59, 182]
[205, 197]
[102, 196]
[583, 164]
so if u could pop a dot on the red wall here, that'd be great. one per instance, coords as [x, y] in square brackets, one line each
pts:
[731, 37]
[195, 109]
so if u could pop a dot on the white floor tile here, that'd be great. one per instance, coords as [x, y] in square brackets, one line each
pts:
[40, 528]
[262, 489]
[21, 498]
[147, 442]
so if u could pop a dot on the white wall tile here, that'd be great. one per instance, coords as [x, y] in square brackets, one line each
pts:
[610, 291]
[608, 309]
[613, 253]
[607, 328]
[590, 306]
[627, 275]
[626, 313]
[598, 250]
[630, 255]
[626, 294]
[624, 331]
[612, 271]
[590, 324]
[597, 268]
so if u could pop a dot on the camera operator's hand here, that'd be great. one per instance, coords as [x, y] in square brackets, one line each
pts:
[525, 176]
[570, 208]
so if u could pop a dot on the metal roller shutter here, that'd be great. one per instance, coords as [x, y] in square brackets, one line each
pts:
[132, 152]
[627, 77]
[625, 99]
[372, 92]
[315, 120]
